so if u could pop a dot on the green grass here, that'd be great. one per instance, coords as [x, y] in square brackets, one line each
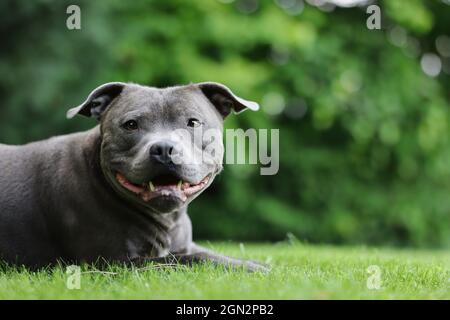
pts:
[298, 272]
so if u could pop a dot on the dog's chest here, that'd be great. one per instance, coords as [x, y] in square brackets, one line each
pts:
[150, 241]
[138, 248]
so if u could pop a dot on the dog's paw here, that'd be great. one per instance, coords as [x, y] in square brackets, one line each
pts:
[253, 266]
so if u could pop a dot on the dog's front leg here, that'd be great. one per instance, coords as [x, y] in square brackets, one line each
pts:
[198, 254]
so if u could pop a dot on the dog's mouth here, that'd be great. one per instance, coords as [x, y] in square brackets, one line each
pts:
[163, 186]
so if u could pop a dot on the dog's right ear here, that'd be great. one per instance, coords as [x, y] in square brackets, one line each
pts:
[224, 99]
[98, 101]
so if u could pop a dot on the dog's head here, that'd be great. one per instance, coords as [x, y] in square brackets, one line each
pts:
[161, 147]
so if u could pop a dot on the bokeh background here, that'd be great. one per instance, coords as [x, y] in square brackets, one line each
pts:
[363, 114]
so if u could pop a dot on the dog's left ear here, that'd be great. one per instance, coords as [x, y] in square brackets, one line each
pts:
[98, 101]
[224, 99]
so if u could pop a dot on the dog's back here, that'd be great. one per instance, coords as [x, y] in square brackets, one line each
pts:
[20, 222]
[26, 173]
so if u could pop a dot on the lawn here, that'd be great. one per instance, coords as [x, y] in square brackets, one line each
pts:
[298, 272]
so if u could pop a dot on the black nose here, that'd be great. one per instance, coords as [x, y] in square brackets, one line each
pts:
[163, 151]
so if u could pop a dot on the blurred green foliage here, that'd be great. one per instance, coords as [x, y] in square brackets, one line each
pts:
[365, 148]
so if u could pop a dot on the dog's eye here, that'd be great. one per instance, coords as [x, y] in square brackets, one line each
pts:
[192, 122]
[130, 125]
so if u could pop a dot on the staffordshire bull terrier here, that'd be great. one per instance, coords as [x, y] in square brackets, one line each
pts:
[118, 192]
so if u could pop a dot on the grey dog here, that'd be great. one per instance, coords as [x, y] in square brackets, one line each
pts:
[115, 192]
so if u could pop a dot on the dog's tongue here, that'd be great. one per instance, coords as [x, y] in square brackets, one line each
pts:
[127, 184]
[164, 188]
[159, 191]
[147, 194]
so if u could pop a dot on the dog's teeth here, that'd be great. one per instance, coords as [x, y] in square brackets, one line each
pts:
[151, 186]
[179, 184]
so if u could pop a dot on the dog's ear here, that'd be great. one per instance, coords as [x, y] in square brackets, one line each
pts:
[224, 100]
[97, 102]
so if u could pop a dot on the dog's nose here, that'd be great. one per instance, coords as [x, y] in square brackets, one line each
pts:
[163, 152]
